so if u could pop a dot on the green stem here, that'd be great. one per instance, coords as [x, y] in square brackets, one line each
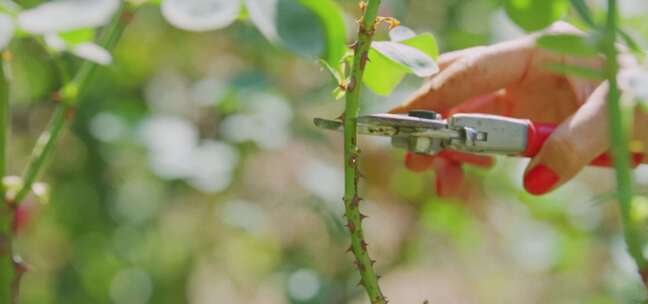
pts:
[619, 144]
[7, 269]
[369, 279]
[70, 94]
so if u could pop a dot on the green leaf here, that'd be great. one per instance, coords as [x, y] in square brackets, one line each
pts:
[570, 44]
[332, 71]
[332, 17]
[415, 61]
[576, 70]
[383, 74]
[78, 36]
[534, 15]
[311, 28]
[401, 33]
[583, 11]
[201, 15]
[425, 43]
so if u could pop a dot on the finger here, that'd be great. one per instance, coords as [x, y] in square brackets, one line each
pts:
[467, 158]
[418, 162]
[449, 177]
[421, 162]
[446, 59]
[495, 103]
[572, 146]
[486, 71]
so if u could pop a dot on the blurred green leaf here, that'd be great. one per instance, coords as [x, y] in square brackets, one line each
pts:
[78, 36]
[332, 18]
[534, 15]
[583, 11]
[9, 7]
[201, 15]
[306, 27]
[575, 45]
[576, 70]
[33, 75]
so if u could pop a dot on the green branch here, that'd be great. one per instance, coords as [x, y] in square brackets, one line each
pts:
[369, 279]
[70, 95]
[7, 270]
[619, 144]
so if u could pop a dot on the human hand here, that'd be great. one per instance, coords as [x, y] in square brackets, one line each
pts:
[511, 79]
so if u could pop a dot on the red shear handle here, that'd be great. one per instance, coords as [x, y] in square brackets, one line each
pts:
[539, 132]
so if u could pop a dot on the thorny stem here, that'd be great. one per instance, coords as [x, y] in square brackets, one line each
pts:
[7, 270]
[70, 95]
[369, 279]
[11, 268]
[619, 145]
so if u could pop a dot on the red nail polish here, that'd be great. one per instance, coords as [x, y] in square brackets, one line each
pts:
[540, 180]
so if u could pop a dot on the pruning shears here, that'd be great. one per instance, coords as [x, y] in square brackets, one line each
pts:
[427, 132]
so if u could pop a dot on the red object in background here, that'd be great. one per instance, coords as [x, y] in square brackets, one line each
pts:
[446, 164]
[22, 216]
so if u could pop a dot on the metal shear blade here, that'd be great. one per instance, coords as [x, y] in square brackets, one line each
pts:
[392, 125]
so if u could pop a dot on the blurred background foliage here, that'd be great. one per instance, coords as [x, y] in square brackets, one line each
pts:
[192, 174]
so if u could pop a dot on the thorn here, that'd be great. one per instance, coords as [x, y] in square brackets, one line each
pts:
[362, 217]
[378, 277]
[350, 249]
[354, 45]
[351, 85]
[355, 202]
[373, 262]
[361, 175]
[363, 245]
[351, 226]
[358, 265]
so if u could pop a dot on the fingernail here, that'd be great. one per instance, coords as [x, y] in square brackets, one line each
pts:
[540, 180]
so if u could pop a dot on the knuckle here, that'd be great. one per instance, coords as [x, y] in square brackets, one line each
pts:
[565, 153]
